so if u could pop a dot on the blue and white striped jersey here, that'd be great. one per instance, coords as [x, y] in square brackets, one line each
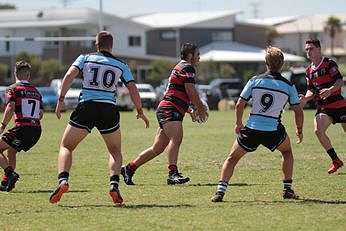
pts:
[269, 92]
[101, 73]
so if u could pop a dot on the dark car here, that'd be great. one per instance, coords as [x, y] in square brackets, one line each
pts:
[297, 76]
[49, 98]
[229, 89]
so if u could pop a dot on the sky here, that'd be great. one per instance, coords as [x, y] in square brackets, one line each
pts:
[248, 8]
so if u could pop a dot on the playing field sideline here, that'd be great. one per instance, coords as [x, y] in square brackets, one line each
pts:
[253, 201]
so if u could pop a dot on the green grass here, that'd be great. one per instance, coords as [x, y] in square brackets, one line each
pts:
[253, 201]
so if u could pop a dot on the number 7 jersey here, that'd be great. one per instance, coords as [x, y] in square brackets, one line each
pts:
[269, 92]
[28, 103]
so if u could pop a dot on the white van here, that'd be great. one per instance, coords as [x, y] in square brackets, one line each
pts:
[72, 95]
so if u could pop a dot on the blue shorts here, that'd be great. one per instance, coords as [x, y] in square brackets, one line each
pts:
[250, 139]
[165, 114]
[104, 116]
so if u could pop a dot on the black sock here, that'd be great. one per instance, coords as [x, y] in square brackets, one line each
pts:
[114, 180]
[8, 170]
[331, 152]
[63, 176]
[287, 184]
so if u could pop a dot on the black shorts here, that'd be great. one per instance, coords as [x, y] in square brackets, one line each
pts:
[22, 138]
[104, 116]
[165, 114]
[250, 139]
[338, 115]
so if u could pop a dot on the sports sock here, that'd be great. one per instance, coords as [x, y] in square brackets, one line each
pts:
[8, 170]
[222, 186]
[132, 166]
[172, 169]
[63, 177]
[331, 152]
[287, 184]
[4, 178]
[114, 180]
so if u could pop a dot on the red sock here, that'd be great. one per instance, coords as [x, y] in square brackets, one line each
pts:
[172, 169]
[4, 178]
[133, 166]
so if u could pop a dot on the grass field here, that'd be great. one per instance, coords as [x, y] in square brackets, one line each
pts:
[253, 201]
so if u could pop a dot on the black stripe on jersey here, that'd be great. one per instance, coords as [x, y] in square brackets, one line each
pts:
[271, 89]
[93, 89]
[330, 99]
[104, 64]
[266, 116]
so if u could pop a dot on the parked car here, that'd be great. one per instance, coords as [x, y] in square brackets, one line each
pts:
[2, 98]
[204, 91]
[148, 95]
[49, 98]
[72, 95]
[297, 76]
[160, 90]
[344, 88]
[124, 102]
[229, 89]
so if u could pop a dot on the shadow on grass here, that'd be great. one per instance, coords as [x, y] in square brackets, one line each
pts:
[49, 191]
[124, 206]
[215, 184]
[300, 201]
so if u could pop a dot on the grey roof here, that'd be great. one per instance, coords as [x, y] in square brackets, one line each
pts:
[181, 19]
[271, 21]
[237, 52]
[312, 23]
[56, 17]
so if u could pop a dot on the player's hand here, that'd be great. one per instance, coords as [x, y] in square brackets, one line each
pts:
[299, 137]
[324, 93]
[144, 118]
[58, 108]
[237, 128]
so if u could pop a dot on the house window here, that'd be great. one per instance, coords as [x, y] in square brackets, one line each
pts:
[134, 41]
[52, 34]
[7, 46]
[221, 36]
[168, 35]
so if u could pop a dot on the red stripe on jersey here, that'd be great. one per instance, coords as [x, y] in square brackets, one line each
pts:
[182, 73]
[324, 77]
[28, 102]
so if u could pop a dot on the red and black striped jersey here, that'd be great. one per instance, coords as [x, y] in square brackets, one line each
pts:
[325, 76]
[28, 102]
[175, 94]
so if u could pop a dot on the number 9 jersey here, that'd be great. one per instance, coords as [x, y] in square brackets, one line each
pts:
[269, 92]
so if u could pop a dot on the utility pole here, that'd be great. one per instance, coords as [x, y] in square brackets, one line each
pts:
[255, 8]
[100, 15]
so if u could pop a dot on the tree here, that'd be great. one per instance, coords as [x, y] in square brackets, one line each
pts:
[7, 7]
[332, 27]
[161, 69]
[271, 34]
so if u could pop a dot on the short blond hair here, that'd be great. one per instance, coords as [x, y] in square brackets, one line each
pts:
[22, 67]
[274, 58]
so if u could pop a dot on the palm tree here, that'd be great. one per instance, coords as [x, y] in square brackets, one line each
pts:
[332, 27]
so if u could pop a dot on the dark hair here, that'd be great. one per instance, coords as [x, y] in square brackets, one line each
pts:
[315, 42]
[104, 39]
[187, 48]
[21, 67]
